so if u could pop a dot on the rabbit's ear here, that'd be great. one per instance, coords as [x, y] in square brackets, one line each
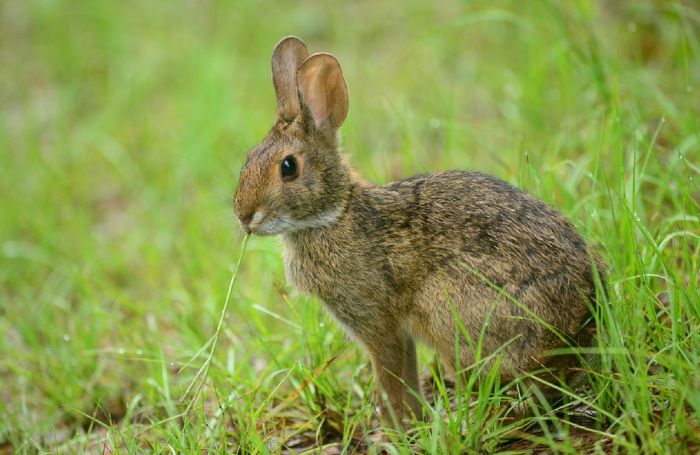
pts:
[323, 91]
[287, 57]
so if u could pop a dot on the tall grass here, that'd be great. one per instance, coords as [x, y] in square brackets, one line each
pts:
[122, 131]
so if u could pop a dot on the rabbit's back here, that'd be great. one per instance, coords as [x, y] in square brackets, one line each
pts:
[471, 221]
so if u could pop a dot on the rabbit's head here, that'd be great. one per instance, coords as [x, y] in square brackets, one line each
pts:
[295, 178]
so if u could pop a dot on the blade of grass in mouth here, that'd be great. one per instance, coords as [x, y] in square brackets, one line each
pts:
[197, 382]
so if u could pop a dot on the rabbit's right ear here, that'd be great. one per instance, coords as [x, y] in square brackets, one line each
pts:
[323, 91]
[287, 58]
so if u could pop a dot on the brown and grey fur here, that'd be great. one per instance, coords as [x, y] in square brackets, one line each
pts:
[405, 261]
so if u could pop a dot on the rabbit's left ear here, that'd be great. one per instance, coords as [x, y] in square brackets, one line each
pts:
[323, 91]
[287, 57]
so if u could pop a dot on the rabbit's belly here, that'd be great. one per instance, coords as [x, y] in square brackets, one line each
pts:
[457, 309]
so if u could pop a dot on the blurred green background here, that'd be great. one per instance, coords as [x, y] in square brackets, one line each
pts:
[123, 126]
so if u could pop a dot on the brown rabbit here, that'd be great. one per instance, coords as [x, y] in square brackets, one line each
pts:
[432, 257]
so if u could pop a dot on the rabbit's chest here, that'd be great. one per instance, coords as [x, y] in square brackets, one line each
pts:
[333, 273]
[314, 277]
[317, 270]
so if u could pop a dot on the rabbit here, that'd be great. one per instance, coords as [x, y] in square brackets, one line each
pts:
[435, 257]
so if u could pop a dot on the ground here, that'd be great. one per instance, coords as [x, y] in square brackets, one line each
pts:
[123, 127]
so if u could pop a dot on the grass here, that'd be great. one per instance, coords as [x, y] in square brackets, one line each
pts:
[122, 131]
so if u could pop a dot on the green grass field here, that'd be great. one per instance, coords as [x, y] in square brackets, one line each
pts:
[123, 126]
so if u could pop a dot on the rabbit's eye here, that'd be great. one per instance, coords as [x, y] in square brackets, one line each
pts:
[289, 168]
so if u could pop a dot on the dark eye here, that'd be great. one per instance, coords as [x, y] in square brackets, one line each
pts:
[289, 168]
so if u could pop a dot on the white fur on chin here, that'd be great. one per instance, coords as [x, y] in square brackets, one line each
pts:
[285, 224]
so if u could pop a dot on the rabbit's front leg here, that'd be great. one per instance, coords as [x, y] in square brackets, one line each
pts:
[411, 378]
[394, 361]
